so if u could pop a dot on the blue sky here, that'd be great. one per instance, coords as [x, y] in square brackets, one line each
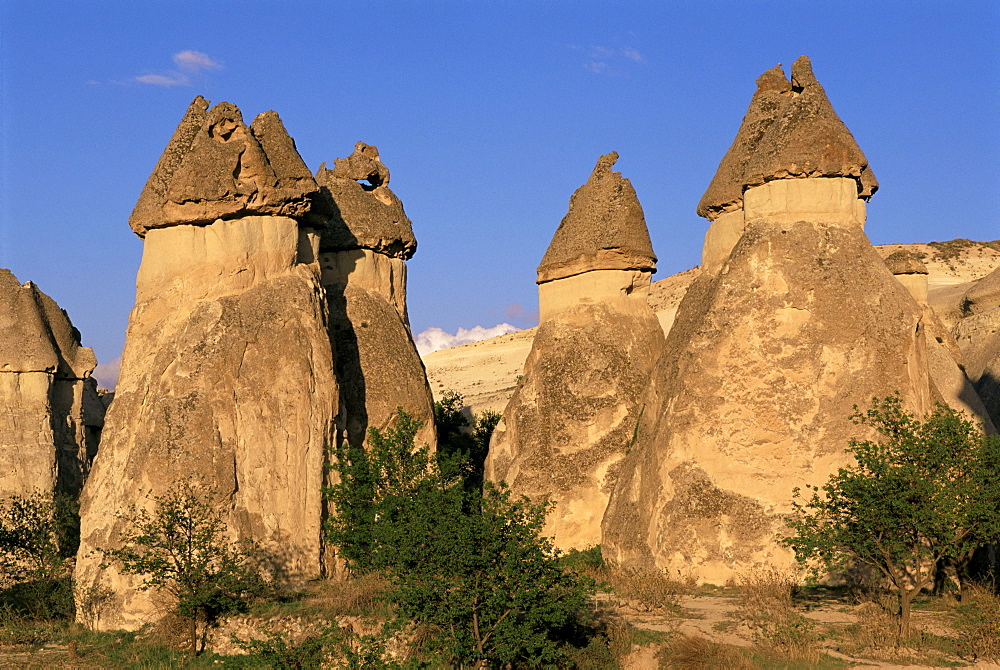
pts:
[487, 114]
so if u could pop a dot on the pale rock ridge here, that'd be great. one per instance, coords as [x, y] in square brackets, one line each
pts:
[572, 416]
[363, 254]
[790, 136]
[51, 415]
[216, 167]
[604, 229]
[227, 378]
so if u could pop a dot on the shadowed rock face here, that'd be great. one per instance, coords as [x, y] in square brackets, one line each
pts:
[50, 413]
[215, 167]
[363, 253]
[752, 395]
[604, 229]
[790, 130]
[227, 376]
[978, 335]
[573, 415]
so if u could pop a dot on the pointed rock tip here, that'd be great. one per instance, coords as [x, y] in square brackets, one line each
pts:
[773, 80]
[802, 72]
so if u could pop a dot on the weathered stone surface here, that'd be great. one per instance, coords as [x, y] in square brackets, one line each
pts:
[365, 216]
[215, 167]
[905, 262]
[363, 255]
[50, 415]
[227, 382]
[790, 130]
[752, 395]
[604, 229]
[573, 415]
[978, 335]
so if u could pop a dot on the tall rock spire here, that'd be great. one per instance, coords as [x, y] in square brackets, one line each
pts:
[604, 229]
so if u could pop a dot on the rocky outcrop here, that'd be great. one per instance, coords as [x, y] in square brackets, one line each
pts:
[770, 351]
[363, 254]
[50, 413]
[227, 376]
[791, 139]
[978, 335]
[573, 415]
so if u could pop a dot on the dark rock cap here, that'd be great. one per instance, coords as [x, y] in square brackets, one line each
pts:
[36, 335]
[365, 215]
[604, 229]
[216, 167]
[789, 131]
[904, 262]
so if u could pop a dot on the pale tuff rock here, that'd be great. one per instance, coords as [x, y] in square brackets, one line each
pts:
[363, 253]
[752, 395]
[604, 229]
[978, 335]
[572, 417]
[789, 137]
[216, 167]
[50, 412]
[227, 377]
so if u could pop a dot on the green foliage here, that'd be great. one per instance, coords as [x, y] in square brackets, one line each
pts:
[181, 548]
[927, 490]
[463, 442]
[38, 533]
[469, 566]
[277, 652]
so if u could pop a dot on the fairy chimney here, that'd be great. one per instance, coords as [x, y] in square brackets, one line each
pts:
[50, 414]
[363, 253]
[570, 421]
[792, 159]
[911, 272]
[226, 378]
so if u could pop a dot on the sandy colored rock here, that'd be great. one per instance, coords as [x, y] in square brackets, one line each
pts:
[752, 397]
[573, 415]
[363, 254]
[978, 335]
[216, 167]
[604, 229]
[905, 262]
[50, 414]
[365, 216]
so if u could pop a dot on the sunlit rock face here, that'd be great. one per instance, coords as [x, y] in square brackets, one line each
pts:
[772, 347]
[363, 254]
[51, 415]
[227, 378]
[978, 335]
[573, 415]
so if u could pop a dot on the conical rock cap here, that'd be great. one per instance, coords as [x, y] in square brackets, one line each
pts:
[216, 167]
[605, 229]
[790, 131]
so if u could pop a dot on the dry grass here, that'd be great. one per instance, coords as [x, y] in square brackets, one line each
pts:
[978, 621]
[646, 590]
[356, 596]
[767, 607]
[692, 653]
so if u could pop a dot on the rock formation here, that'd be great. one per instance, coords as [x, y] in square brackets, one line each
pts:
[227, 377]
[771, 349]
[50, 414]
[572, 418]
[978, 335]
[363, 254]
[789, 137]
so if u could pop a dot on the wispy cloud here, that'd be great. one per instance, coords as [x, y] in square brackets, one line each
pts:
[610, 60]
[188, 63]
[435, 339]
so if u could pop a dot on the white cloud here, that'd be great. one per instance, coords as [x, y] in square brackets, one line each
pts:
[434, 338]
[189, 63]
[633, 54]
[106, 374]
[611, 61]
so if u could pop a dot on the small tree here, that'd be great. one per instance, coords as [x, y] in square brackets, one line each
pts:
[470, 565]
[926, 491]
[181, 549]
[463, 440]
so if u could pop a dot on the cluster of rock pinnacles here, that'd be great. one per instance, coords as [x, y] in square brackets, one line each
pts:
[270, 326]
